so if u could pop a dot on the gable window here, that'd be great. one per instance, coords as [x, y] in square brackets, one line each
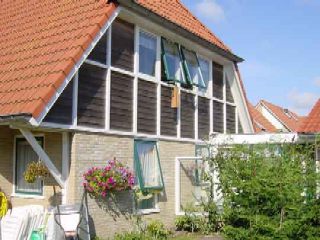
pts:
[205, 71]
[24, 156]
[191, 64]
[171, 60]
[148, 172]
[147, 54]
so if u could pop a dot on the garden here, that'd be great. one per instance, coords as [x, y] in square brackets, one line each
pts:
[270, 191]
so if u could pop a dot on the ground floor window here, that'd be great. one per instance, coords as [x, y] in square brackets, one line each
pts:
[148, 173]
[25, 155]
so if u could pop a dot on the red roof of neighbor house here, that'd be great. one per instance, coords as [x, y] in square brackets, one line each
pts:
[312, 123]
[260, 123]
[176, 12]
[291, 120]
[40, 42]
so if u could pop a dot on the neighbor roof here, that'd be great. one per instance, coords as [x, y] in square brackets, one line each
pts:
[260, 123]
[288, 118]
[41, 41]
[312, 123]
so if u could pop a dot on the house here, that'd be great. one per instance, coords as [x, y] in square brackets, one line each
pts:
[282, 119]
[311, 124]
[260, 123]
[86, 81]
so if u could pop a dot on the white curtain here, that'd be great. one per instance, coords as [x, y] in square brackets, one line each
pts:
[25, 155]
[148, 157]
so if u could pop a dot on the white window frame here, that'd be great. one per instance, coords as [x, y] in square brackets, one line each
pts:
[25, 195]
[159, 83]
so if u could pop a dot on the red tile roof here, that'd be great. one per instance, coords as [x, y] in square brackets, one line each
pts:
[260, 123]
[291, 120]
[312, 123]
[176, 12]
[40, 42]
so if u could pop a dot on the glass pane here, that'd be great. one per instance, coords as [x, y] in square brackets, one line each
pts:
[193, 67]
[99, 53]
[147, 203]
[173, 62]
[204, 66]
[25, 155]
[149, 163]
[147, 54]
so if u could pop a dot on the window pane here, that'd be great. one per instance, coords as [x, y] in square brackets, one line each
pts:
[204, 66]
[99, 53]
[147, 54]
[192, 66]
[147, 203]
[25, 155]
[172, 62]
[147, 165]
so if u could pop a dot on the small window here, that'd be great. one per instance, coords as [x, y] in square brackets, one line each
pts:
[192, 68]
[147, 166]
[25, 155]
[148, 204]
[147, 54]
[204, 66]
[171, 60]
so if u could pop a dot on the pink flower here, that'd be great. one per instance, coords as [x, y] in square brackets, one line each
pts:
[103, 194]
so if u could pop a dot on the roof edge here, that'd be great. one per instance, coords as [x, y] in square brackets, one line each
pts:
[173, 26]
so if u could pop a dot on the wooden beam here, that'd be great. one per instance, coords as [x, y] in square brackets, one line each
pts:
[43, 156]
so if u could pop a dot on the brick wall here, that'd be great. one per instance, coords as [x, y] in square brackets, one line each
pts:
[109, 217]
[53, 147]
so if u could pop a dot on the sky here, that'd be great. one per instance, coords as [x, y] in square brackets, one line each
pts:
[280, 42]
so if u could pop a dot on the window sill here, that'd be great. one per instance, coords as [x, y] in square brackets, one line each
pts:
[27, 196]
[148, 211]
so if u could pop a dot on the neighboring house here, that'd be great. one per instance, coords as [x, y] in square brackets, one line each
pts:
[85, 81]
[260, 123]
[311, 124]
[282, 119]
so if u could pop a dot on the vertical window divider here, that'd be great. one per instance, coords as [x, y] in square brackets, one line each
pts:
[179, 113]
[158, 77]
[75, 100]
[224, 103]
[210, 89]
[108, 79]
[196, 116]
[135, 81]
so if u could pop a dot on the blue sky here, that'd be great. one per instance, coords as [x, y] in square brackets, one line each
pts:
[280, 42]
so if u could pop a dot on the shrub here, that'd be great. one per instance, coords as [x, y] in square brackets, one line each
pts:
[98, 181]
[157, 230]
[131, 236]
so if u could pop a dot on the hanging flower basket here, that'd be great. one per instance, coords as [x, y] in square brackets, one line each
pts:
[34, 171]
[114, 177]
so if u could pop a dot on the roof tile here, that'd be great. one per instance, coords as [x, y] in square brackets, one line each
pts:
[312, 123]
[260, 123]
[40, 43]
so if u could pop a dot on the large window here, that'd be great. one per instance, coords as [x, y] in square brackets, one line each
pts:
[148, 171]
[172, 64]
[24, 156]
[147, 53]
[192, 68]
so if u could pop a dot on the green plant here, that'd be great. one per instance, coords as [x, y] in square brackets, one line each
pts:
[131, 236]
[157, 230]
[98, 181]
[35, 170]
[269, 191]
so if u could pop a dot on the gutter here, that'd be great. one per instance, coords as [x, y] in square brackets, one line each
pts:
[18, 118]
[132, 5]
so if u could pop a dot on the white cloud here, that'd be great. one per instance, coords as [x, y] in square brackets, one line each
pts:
[301, 102]
[210, 10]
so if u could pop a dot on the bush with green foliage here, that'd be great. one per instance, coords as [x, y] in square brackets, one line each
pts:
[269, 191]
[157, 230]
